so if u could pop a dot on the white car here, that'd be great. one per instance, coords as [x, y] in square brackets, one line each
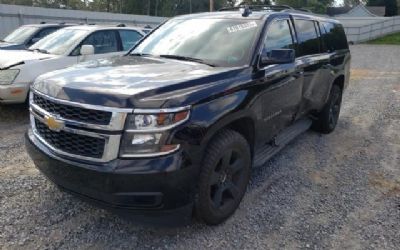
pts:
[63, 48]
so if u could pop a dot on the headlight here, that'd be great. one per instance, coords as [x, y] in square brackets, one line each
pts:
[8, 76]
[146, 132]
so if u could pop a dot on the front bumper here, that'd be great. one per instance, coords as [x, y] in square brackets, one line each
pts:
[14, 93]
[161, 188]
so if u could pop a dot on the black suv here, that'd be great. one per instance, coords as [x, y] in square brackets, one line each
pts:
[174, 127]
[27, 35]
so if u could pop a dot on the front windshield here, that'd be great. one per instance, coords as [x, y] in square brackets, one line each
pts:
[59, 42]
[20, 35]
[221, 42]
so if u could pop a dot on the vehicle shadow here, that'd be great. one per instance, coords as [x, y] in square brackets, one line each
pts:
[14, 114]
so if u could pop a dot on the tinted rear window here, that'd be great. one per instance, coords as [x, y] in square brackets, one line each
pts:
[307, 38]
[334, 37]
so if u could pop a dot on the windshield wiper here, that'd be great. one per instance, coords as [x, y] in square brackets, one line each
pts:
[141, 54]
[190, 59]
[40, 50]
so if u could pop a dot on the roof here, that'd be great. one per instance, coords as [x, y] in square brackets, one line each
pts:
[48, 25]
[255, 15]
[103, 27]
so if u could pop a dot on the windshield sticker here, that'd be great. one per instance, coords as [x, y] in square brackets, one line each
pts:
[243, 26]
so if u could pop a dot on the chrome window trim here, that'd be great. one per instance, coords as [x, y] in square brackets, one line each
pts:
[111, 144]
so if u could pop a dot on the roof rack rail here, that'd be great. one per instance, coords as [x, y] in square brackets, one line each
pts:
[121, 25]
[42, 22]
[303, 9]
[258, 7]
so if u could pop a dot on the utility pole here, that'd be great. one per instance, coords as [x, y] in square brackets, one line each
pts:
[211, 5]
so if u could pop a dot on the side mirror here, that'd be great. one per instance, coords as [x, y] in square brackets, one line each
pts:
[87, 50]
[278, 56]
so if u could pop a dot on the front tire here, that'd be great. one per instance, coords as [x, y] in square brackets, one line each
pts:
[327, 119]
[224, 177]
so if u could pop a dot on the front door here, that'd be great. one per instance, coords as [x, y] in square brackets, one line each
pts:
[281, 83]
[105, 43]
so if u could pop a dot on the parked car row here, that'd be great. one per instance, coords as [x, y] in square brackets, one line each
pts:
[27, 35]
[60, 49]
[172, 128]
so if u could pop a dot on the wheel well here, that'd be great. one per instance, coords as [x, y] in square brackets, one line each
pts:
[339, 81]
[244, 126]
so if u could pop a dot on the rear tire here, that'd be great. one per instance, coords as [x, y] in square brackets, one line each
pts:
[224, 177]
[327, 119]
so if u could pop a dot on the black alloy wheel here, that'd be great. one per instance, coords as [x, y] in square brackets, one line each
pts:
[224, 177]
[328, 118]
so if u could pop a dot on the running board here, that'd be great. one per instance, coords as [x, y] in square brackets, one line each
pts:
[281, 140]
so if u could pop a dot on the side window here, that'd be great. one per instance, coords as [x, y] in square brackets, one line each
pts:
[45, 32]
[335, 38]
[324, 40]
[104, 41]
[278, 36]
[129, 38]
[39, 35]
[307, 38]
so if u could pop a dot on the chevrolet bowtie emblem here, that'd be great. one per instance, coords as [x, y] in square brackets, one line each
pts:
[53, 124]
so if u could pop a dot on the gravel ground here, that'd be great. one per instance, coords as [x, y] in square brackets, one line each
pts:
[337, 191]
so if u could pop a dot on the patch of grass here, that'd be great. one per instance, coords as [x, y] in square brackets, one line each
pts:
[389, 39]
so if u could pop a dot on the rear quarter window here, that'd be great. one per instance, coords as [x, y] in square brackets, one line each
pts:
[334, 37]
[129, 38]
[308, 40]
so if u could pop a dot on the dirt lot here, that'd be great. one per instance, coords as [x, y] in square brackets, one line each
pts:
[337, 191]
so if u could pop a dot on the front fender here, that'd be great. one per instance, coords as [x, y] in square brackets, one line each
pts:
[210, 117]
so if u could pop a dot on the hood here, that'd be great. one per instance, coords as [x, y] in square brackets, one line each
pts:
[17, 57]
[130, 81]
[7, 46]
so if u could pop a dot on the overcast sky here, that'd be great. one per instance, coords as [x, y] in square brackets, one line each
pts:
[338, 2]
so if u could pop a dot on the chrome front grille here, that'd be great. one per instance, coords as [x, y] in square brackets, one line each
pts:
[85, 132]
[73, 113]
[75, 144]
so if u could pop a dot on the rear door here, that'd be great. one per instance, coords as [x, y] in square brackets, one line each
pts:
[337, 48]
[312, 60]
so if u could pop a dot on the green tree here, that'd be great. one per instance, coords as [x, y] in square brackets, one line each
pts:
[391, 8]
[376, 2]
[317, 6]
